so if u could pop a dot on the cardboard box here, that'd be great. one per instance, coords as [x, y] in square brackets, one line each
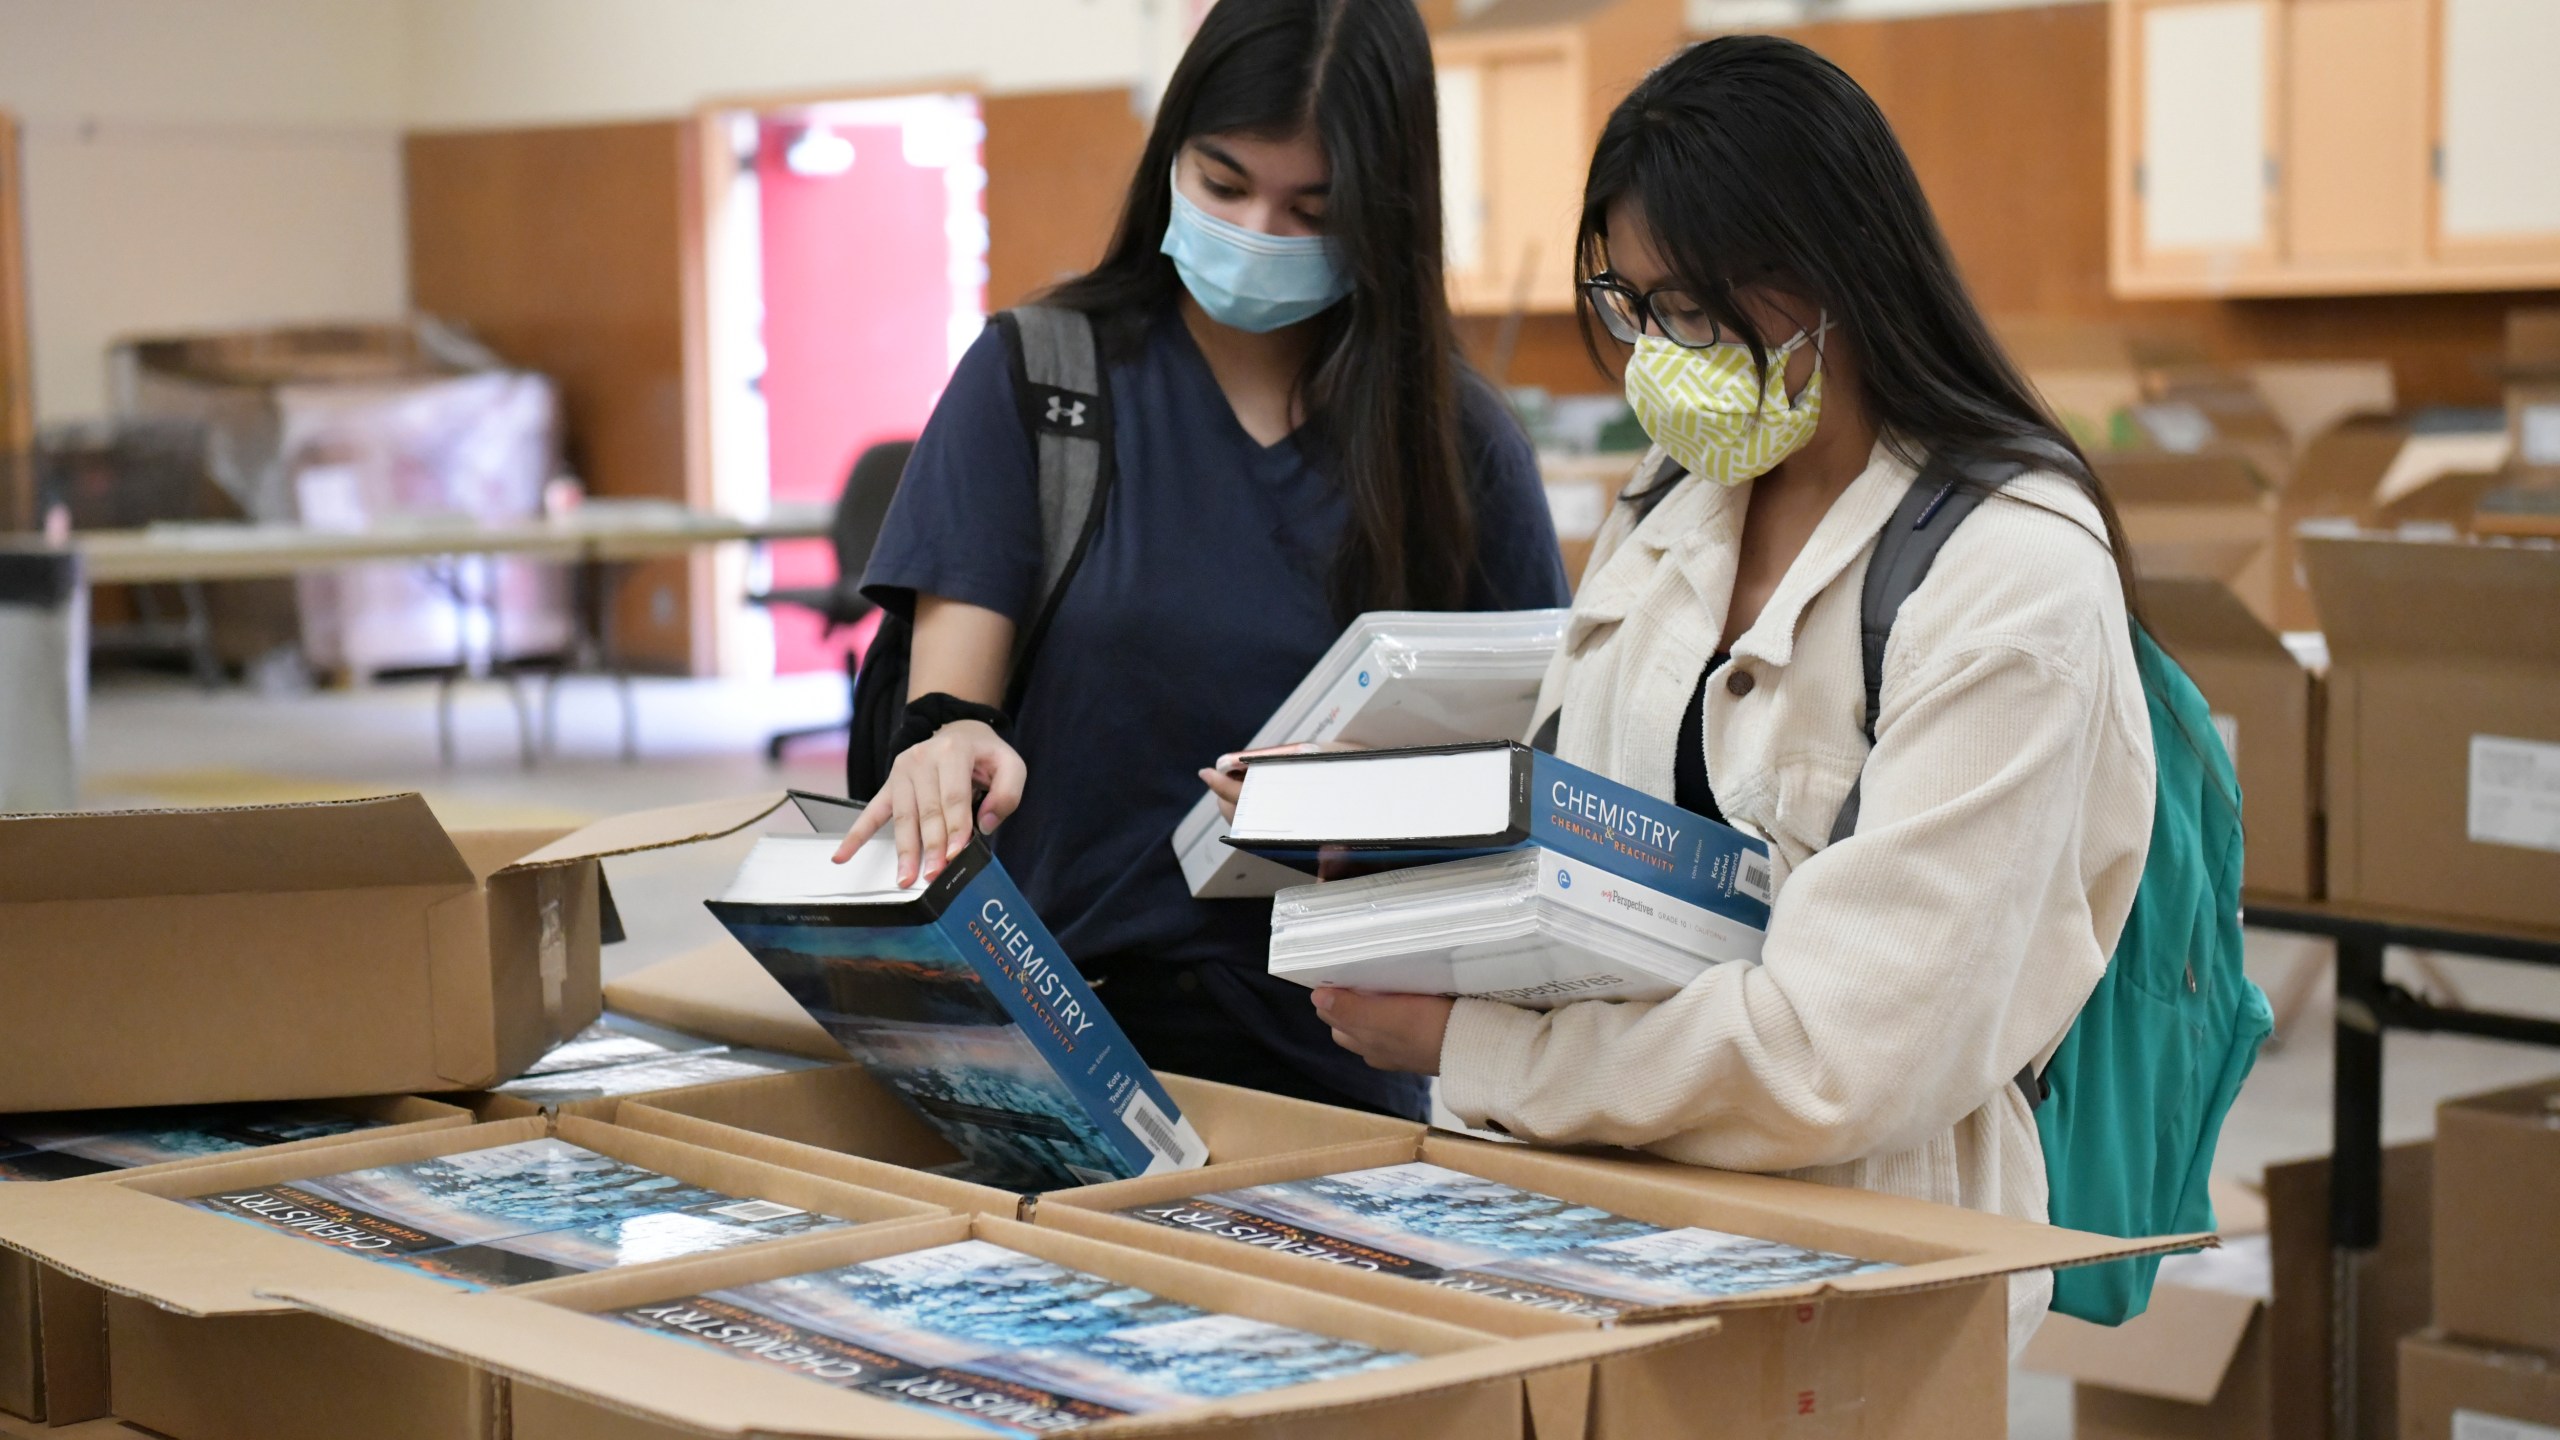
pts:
[2232, 1356]
[572, 1375]
[1912, 1353]
[841, 1122]
[2266, 707]
[2497, 1233]
[2532, 374]
[2211, 513]
[197, 1349]
[290, 952]
[2453, 1391]
[53, 1361]
[2442, 735]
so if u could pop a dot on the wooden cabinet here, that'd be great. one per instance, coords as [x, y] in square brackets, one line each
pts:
[2304, 147]
[2498, 178]
[1515, 138]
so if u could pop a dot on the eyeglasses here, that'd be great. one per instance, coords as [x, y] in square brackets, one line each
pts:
[1626, 313]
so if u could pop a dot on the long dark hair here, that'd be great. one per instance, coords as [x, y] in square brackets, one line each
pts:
[1756, 161]
[1381, 386]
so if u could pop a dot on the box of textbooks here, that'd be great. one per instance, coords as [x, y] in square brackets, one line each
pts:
[622, 1057]
[288, 952]
[1859, 1314]
[971, 1325]
[1395, 677]
[196, 1349]
[53, 1363]
[840, 1121]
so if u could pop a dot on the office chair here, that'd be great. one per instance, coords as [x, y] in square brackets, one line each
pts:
[861, 509]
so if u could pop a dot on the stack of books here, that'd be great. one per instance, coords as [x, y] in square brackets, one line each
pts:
[1510, 875]
[1457, 1231]
[513, 1214]
[1018, 1344]
[1394, 678]
[955, 996]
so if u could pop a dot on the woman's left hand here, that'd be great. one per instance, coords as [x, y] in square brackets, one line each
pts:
[1391, 1032]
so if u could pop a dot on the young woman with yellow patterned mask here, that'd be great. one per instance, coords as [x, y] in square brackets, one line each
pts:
[1757, 251]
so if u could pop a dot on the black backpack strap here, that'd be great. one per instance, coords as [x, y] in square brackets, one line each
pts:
[1937, 502]
[1064, 393]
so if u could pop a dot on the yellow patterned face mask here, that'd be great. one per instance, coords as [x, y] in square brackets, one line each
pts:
[1711, 409]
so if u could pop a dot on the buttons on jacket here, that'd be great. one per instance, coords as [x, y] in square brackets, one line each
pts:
[1738, 683]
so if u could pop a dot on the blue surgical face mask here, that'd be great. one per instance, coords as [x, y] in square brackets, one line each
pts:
[1247, 279]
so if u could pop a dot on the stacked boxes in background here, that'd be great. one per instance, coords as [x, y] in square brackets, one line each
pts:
[2236, 1344]
[2266, 707]
[2442, 744]
[2490, 1369]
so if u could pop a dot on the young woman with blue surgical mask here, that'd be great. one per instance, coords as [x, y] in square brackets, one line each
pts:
[1297, 441]
[1799, 346]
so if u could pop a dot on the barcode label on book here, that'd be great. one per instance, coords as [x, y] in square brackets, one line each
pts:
[1751, 876]
[1150, 1126]
[755, 1211]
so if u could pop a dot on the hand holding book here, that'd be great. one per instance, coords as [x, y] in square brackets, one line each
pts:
[1391, 1032]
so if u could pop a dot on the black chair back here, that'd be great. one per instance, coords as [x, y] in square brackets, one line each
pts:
[864, 506]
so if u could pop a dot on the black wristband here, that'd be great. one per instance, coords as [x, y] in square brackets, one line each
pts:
[929, 713]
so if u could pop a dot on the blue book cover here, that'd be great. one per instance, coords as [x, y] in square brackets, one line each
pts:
[1008, 1340]
[1573, 812]
[54, 1147]
[959, 999]
[1458, 1231]
[511, 1214]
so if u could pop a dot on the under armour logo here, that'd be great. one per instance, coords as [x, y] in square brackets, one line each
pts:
[1063, 411]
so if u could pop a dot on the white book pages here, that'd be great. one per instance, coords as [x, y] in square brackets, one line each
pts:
[1395, 678]
[1363, 798]
[1526, 927]
[801, 870]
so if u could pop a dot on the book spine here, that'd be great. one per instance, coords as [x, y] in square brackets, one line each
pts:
[994, 929]
[1637, 837]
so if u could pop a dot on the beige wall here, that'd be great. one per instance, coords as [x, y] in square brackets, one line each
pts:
[516, 62]
[213, 163]
[194, 164]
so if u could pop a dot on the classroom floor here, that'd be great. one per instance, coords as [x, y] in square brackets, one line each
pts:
[154, 742]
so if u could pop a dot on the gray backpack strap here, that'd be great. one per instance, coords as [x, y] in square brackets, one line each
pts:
[1931, 509]
[1064, 392]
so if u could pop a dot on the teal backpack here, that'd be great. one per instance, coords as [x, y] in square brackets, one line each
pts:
[2131, 1105]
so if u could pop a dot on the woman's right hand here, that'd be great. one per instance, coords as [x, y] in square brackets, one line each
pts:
[931, 798]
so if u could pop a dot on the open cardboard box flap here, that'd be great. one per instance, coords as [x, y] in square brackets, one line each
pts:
[2383, 597]
[383, 842]
[2163, 477]
[2179, 1349]
[719, 991]
[696, 1388]
[1932, 1245]
[130, 1238]
[2203, 614]
[653, 830]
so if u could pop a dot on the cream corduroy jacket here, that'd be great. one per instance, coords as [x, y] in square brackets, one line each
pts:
[1911, 971]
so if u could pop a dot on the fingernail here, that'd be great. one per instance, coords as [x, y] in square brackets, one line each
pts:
[987, 823]
[1227, 761]
[1208, 774]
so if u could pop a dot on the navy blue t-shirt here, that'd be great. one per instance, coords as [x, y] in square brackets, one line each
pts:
[1200, 605]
